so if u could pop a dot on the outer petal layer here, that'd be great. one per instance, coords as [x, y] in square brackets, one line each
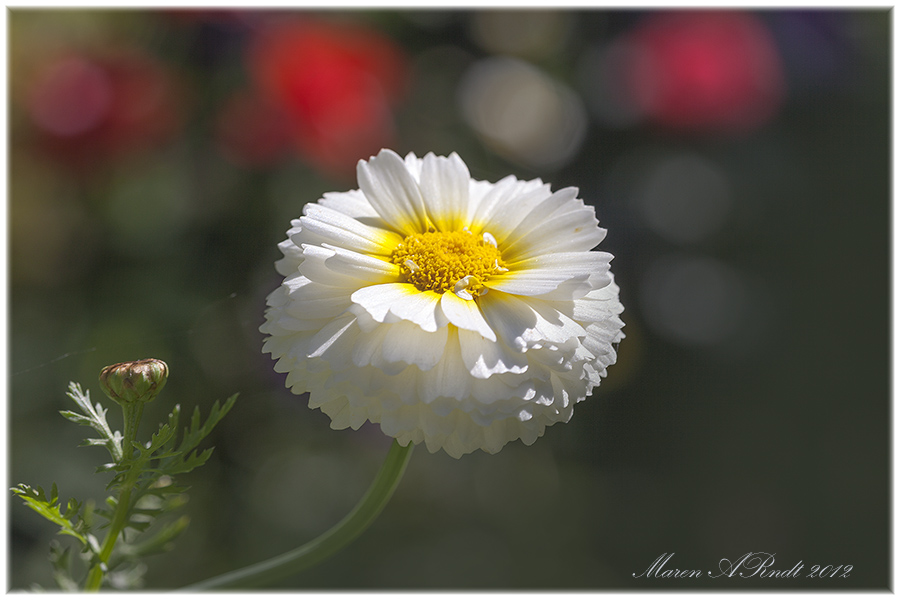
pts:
[453, 373]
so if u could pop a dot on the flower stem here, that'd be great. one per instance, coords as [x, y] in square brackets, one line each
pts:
[132, 413]
[329, 542]
[95, 576]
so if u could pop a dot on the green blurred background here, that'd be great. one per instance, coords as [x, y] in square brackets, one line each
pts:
[740, 161]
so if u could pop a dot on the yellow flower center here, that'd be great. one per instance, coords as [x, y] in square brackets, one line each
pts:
[442, 261]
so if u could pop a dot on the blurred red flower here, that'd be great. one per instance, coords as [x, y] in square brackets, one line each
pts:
[88, 109]
[250, 132]
[335, 83]
[704, 71]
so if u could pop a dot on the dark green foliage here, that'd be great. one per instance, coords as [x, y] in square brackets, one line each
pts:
[144, 490]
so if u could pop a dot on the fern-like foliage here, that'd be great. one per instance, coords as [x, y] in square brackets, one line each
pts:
[151, 472]
[49, 508]
[143, 490]
[94, 416]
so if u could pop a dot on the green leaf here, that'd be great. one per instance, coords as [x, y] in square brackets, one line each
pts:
[147, 512]
[72, 509]
[76, 418]
[93, 544]
[48, 508]
[138, 525]
[195, 434]
[128, 577]
[142, 491]
[93, 416]
[60, 561]
[161, 541]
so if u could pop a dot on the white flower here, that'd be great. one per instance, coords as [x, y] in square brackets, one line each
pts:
[457, 312]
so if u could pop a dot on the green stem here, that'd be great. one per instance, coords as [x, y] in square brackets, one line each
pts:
[95, 577]
[119, 520]
[132, 413]
[329, 542]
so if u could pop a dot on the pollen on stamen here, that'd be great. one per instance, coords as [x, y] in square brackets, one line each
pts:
[439, 261]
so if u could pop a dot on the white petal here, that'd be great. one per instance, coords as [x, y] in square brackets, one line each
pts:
[352, 203]
[366, 268]
[289, 325]
[319, 303]
[484, 358]
[313, 267]
[445, 190]
[391, 302]
[523, 325]
[448, 379]
[504, 205]
[413, 165]
[293, 254]
[306, 299]
[326, 225]
[465, 314]
[366, 346]
[393, 192]
[378, 299]
[535, 216]
[478, 191]
[565, 231]
[280, 343]
[592, 309]
[544, 274]
[367, 349]
[510, 318]
[569, 290]
[335, 342]
[555, 326]
[408, 343]
[422, 309]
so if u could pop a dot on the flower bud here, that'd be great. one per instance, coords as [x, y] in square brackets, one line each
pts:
[135, 381]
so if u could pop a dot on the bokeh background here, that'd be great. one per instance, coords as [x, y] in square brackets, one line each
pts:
[739, 159]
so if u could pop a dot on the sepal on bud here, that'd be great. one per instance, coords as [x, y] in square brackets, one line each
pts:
[133, 382]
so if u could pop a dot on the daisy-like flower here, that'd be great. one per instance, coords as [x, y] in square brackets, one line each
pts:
[455, 312]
